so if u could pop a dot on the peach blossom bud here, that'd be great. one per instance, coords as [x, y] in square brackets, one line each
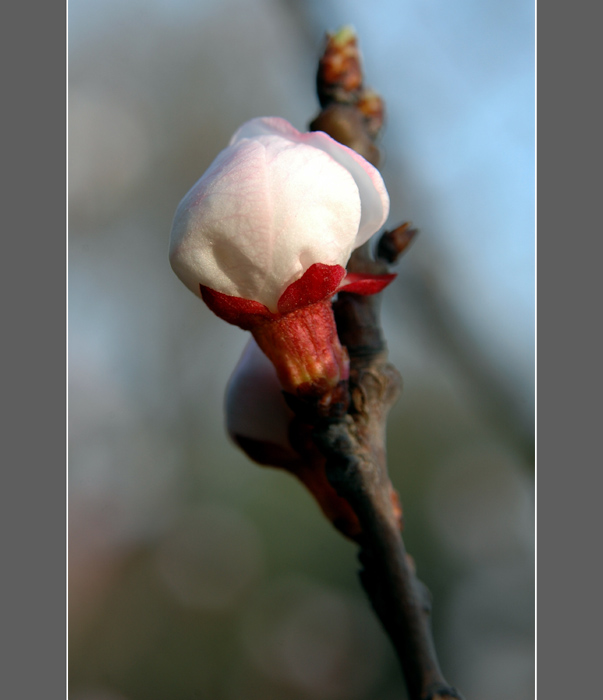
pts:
[273, 203]
[264, 236]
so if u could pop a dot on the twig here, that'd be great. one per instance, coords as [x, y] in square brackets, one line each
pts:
[354, 443]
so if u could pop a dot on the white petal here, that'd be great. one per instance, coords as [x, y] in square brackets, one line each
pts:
[266, 210]
[374, 199]
[255, 407]
[272, 204]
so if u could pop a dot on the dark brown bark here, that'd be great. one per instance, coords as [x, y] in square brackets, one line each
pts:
[354, 443]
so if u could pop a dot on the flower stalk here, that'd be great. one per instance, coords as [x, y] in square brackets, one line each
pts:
[305, 350]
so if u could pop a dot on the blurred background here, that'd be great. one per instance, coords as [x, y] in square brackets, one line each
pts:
[193, 573]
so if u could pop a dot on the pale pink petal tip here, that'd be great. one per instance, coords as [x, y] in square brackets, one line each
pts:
[373, 193]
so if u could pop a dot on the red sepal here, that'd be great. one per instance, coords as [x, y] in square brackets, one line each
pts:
[318, 282]
[244, 313]
[365, 284]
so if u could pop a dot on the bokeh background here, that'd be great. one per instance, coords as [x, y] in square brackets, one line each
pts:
[193, 573]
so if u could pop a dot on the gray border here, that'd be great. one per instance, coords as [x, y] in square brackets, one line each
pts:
[569, 355]
[33, 494]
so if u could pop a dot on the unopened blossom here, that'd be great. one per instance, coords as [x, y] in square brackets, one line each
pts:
[259, 421]
[264, 237]
[257, 416]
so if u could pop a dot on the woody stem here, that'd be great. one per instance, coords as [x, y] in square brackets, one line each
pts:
[354, 444]
[357, 468]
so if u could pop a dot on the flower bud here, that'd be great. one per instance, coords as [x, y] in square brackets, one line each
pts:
[257, 416]
[259, 421]
[264, 236]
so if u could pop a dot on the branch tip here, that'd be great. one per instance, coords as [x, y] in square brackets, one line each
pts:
[394, 243]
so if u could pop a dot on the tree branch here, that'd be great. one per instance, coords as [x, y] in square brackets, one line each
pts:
[354, 443]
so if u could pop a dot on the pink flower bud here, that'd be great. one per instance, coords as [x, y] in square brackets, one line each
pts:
[257, 416]
[259, 421]
[264, 236]
[273, 203]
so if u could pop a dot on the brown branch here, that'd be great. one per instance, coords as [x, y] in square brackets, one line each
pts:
[354, 443]
[357, 468]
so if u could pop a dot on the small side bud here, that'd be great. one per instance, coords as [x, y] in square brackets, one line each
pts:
[339, 77]
[372, 109]
[394, 243]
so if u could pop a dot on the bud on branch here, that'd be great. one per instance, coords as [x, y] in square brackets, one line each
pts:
[265, 235]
